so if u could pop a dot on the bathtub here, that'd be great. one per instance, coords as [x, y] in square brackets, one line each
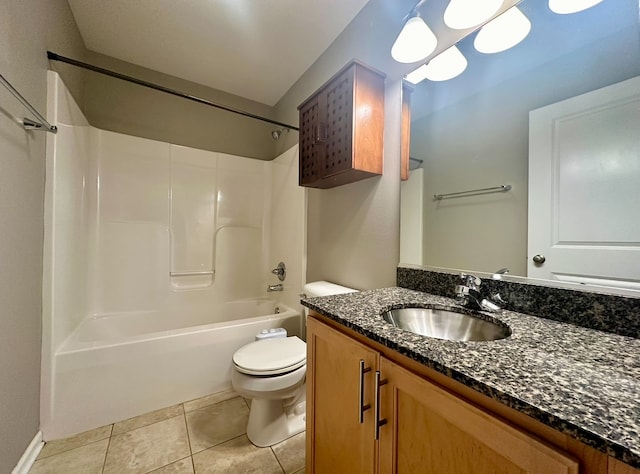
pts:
[116, 366]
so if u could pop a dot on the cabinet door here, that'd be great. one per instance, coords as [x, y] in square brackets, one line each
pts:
[339, 119]
[311, 146]
[429, 430]
[336, 440]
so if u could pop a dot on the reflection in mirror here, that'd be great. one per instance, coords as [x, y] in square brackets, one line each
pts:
[473, 132]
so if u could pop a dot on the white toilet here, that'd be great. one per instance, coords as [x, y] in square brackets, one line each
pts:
[272, 373]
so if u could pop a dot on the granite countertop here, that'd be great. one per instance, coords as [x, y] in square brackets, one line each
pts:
[579, 381]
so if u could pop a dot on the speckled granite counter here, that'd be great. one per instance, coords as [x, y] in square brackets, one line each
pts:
[579, 381]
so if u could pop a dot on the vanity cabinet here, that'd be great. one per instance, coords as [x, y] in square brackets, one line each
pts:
[337, 442]
[341, 129]
[429, 430]
[413, 422]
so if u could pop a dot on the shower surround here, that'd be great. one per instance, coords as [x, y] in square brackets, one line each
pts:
[156, 263]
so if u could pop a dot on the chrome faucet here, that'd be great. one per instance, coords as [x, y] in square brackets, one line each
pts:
[277, 287]
[468, 294]
[280, 271]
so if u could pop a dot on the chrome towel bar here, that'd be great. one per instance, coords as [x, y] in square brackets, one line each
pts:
[496, 189]
[27, 123]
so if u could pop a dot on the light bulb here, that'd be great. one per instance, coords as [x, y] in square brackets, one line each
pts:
[446, 65]
[503, 32]
[415, 42]
[463, 14]
[571, 6]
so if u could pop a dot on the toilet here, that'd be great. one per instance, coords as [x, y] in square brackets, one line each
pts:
[271, 372]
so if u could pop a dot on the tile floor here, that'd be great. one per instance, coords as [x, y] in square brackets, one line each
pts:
[207, 435]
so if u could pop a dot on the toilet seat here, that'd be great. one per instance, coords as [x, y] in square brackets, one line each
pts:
[271, 356]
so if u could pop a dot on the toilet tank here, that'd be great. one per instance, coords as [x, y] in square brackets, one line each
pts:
[324, 288]
[320, 288]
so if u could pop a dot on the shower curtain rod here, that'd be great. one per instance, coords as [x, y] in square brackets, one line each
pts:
[56, 57]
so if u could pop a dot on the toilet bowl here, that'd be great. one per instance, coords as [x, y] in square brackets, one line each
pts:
[271, 372]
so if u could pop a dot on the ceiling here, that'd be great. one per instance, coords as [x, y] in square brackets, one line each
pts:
[252, 48]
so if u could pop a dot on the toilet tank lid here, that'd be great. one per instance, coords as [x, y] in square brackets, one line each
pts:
[325, 288]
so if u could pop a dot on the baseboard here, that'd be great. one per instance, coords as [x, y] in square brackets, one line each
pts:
[30, 455]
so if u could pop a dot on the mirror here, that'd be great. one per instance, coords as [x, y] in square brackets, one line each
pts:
[472, 132]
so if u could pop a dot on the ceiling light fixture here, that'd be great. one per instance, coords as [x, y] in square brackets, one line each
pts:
[415, 42]
[446, 65]
[564, 7]
[463, 14]
[503, 32]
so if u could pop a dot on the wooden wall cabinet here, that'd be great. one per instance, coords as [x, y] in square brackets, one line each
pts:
[422, 426]
[405, 148]
[341, 129]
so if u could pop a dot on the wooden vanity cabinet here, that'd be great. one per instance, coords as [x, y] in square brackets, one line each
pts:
[336, 440]
[430, 431]
[341, 129]
[425, 426]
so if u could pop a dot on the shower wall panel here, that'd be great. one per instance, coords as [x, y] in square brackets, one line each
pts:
[164, 209]
[194, 184]
[132, 217]
[124, 212]
[68, 225]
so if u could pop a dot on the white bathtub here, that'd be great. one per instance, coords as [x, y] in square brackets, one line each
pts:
[117, 366]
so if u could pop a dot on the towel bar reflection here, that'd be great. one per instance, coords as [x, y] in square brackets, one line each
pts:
[27, 123]
[496, 189]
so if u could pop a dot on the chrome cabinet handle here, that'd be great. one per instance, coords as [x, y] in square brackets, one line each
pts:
[363, 407]
[379, 422]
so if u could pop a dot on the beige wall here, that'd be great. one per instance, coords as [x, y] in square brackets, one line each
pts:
[27, 29]
[112, 104]
[353, 230]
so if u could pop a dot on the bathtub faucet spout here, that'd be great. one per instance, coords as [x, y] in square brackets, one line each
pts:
[277, 287]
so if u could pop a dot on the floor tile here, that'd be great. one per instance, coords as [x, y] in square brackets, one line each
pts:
[217, 423]
[237, 456]
[148, 448]
[87, 459]
[147, 419]
[209, 400]
[291, 453]
[184, 466]
[65, 444]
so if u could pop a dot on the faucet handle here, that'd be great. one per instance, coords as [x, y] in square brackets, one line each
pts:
[280, 271]
[471, 281]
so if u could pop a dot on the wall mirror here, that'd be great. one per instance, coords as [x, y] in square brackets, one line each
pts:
[473, 132]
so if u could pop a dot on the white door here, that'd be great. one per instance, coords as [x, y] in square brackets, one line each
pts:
[584, 188]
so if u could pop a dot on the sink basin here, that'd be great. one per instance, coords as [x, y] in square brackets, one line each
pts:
[445, 324]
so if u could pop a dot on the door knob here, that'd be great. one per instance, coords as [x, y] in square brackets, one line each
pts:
[538, 259]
